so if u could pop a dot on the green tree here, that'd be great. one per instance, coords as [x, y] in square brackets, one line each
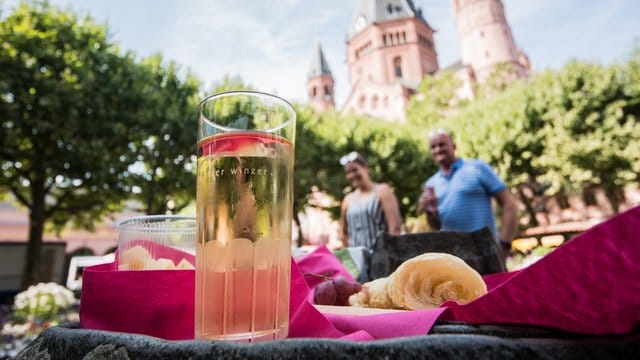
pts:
[229, 83]
[397, 155]
[591, 126]
[435, 100]
[503, 131]
[68, 109]
[163, 176]
[558, 132]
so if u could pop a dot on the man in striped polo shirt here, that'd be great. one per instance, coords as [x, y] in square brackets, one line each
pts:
[458, 196]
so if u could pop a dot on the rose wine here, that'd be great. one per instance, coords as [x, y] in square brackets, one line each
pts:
[243, 243]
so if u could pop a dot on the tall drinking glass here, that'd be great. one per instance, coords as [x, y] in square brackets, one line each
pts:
[243, 216]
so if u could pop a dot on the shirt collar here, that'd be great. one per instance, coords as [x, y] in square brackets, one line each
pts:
[454, 167]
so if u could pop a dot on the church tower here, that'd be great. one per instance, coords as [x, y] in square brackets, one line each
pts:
[486, 40]
[390, 49]
[320, 82]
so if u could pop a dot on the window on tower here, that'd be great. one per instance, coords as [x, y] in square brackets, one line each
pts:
[422, 39]
[374, 102]
[397, 66]
[361, 101]
[327, 92]
[313, 91]
[363, 50]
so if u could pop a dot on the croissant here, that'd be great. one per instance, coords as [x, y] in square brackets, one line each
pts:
[373, 294]
[425, 281]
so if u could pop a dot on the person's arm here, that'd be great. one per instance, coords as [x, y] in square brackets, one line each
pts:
[509, 220]
[499, 190]
[390, 209]
[344, 231]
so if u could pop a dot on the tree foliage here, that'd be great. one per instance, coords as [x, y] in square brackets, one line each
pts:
[434, 100]
[396, 155]
[84, 126]
[65, 113]
[557, 132]
[162, 176]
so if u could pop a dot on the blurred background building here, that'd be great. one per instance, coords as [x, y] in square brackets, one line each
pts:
[390, 49]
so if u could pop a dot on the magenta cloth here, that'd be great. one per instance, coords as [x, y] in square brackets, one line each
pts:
[360, 335]
[386, 326]
[354, 327]
[496, 279]
[158, 303]
[591, 284]
[321, 262]
[588, 285]
[304, 319]
[307, 321]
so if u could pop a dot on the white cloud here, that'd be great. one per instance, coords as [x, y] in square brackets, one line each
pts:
[269, 45]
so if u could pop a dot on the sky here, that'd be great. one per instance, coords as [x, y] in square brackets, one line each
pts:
[269, 43]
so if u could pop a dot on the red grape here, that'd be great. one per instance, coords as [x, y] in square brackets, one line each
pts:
[325, 293]
[344, 288]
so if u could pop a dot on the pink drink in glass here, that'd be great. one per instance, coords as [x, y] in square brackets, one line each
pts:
[243, 243]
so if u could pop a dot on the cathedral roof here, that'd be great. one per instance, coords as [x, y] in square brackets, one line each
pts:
[375, 11]
[319, 65]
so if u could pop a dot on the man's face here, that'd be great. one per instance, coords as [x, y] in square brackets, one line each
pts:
[442, 149]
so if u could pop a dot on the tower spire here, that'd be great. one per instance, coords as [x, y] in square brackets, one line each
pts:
[320, 81]
[486, 40]
[319, 65]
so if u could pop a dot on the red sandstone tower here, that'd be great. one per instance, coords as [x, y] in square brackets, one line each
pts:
[486, 40]
[320, 82]
[389, 51]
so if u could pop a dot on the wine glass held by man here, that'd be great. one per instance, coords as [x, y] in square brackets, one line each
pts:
[370, 210]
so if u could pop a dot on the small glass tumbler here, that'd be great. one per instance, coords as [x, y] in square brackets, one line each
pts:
[160, 242]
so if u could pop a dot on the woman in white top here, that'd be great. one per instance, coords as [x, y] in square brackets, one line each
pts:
[370, 210]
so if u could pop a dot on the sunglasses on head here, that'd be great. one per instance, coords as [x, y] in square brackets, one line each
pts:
[348, 158]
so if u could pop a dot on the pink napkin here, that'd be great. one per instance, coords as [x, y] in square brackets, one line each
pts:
[496, 279]
[591, 285]
[309, 322]
[155, 303]
[161, 302]
[321, 262]
[304, 319]
[386, 326]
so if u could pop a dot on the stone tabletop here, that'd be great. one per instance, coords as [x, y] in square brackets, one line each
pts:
[445, 341]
